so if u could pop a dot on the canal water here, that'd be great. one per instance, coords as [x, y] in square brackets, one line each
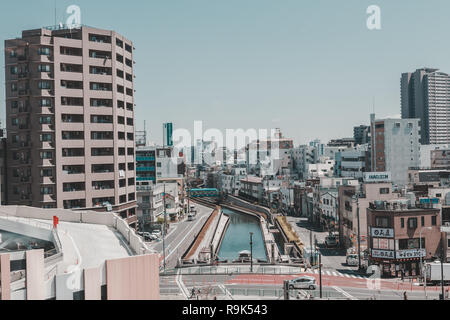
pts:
[237, 237]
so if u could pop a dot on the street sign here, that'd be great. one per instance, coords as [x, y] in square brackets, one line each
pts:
[411, 254]
[382, 233]
[383, 254]
[377, 177]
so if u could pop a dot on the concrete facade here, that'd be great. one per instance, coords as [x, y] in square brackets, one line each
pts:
[70, 111]
[395, 147]
[424, 96]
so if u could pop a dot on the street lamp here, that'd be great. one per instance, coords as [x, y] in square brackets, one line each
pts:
[359, 230]
[421, 259]
[164, 228]
[251, 252]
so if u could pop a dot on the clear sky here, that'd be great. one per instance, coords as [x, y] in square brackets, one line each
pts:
[309, 67]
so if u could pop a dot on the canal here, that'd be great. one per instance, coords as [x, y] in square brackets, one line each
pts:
[237, 237]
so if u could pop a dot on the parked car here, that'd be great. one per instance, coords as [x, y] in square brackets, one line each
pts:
[157, 233]
[308, 283]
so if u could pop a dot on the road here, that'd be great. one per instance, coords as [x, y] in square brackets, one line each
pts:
[181, 235]
[267, 287]
[332, 259]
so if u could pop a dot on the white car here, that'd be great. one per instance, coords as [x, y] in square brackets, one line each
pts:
[157, 233]
[303, 283]
[352, 260]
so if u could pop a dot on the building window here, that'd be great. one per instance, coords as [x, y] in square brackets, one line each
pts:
[46, 155]
[412, 223]
[402, 221]
[46, 190]
[384, 191]
[46, 137]
[44, 68]
[43, 51]
[382, 222]
[434, 221]
[46, 172]
[44, 85]
[422, 221]
[407, 244]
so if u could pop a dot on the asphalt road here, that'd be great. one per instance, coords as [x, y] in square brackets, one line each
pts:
[256, 287]
[332, 259]
[181, 235]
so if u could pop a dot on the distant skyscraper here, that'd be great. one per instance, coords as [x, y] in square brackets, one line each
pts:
[425, 96]
[168, 134]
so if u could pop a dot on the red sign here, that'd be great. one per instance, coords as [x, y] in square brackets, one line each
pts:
[55, 222]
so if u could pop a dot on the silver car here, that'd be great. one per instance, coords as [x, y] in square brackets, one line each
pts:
[303, 283]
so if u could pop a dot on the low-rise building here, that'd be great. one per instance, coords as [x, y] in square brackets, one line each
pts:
[252, 188]
[353, 199]
[353, 163]
[400, 235]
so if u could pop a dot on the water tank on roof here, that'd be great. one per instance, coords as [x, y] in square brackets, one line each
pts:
[447, 199]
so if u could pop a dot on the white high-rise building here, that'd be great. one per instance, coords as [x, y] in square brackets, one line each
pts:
[395, 147]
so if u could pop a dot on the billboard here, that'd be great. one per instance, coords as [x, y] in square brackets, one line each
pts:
[377, 177]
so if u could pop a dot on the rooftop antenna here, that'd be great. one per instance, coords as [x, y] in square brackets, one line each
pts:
[373, 104]
[55, 13]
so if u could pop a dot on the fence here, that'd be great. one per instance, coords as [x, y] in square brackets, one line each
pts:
[230, 270]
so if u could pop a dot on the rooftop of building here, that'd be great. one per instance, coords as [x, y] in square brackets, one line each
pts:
[82, 239]
[401, 205]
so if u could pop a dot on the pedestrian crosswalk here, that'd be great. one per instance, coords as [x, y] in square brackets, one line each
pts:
[350, 275]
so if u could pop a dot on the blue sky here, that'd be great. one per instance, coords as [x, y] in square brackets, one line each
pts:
[309, 67]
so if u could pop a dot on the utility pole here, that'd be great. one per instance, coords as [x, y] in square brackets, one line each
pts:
[320, 273]
[251, 252]
[442, 270]
[359, 233]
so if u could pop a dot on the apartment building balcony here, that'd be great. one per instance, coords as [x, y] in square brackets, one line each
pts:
[100, 46]
[106, 78]
[72, 76]
[46, 145]
[103, 127]
[74, 187]
[103, 176]
[73, 143]
[73, 178]
[75, 93]
[74, 204]
[47, 180]
[102, 193]
[71, 126]
[101, 94]
[50, 76]
[102, 143]
[73, 195]
[69, 59]
[101, 62]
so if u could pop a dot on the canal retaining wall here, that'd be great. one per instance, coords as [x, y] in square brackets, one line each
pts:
[219, 234]
[205, 234]
[265, 212]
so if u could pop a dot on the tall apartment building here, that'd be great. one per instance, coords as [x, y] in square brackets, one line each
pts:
[395, 147]
[70, 111]
[424, 96]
